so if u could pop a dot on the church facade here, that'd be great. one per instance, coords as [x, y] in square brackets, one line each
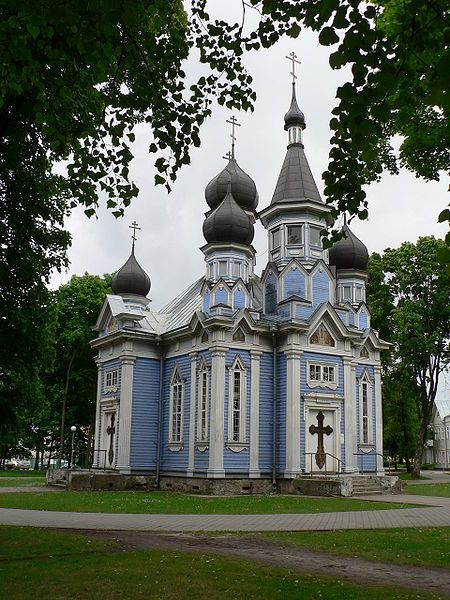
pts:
[244, 377]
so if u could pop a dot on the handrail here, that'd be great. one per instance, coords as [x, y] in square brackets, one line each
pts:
[341, 463]
[370, 452]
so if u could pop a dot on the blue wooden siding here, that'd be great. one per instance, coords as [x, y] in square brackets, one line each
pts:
[323, 358]
[265, 412]
[237, 462]
[351, 318]
[281, 411]
[369, 461]
[176, 461]
[303, 312]
[363, 319]
[221, 296]
[144, 413]
[321, 288]
[294, 283]
[270, 294]
[238, 299]
[206, 301]
[343, 315]
[111, 365]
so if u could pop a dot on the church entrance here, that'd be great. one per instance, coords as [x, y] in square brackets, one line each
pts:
[322, 439]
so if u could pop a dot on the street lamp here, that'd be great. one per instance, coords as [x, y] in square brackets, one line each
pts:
[72, 429]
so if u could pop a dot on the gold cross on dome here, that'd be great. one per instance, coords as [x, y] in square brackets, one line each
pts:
[133, 226]
[293, 58]
[233, 122]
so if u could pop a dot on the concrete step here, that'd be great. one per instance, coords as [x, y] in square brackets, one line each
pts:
[358, 493]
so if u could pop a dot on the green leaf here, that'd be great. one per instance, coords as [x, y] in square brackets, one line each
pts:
[328, 36]
[33, 30]
[159, 180]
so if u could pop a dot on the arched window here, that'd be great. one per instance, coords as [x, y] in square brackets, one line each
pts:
[176, 407]
[236, 403]
[365, 410]
[202, 403]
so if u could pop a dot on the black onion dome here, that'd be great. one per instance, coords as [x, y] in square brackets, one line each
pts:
[228, 223]
[294, 115]
[243, 187]
[131, 279]
[349, 252]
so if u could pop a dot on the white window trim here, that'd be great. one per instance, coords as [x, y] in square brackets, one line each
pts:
[111, 386]
[202, 440]
[237, 445]
[175, 380]
[365, 380]
[313, 383]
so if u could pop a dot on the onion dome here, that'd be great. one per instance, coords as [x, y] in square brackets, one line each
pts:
[131, 279]
[349, 252]
[243, 187]
[228, 223]
[294, 115]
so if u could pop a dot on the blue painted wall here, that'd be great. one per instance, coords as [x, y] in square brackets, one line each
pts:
[303, 312]
[176, 461]
[265, 412]
[323, 358]
[363, 319]
[321, 288]
[201, 459]
[206, 301]
[237, 462]
[144, 414]
[294, 283]
[238, 299]
[110, 365]
[270, 294]
[221, 296]
[281, 412]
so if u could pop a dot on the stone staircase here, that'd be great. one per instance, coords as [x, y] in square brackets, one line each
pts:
[366, 486]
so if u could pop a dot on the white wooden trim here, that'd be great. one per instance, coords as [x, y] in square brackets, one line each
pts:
[124, 421]
[350, 416]
[216, 433]
[192, 405]
[237, 367]
[254, 413]
[293, 412]
[176, 445]
[378, 420]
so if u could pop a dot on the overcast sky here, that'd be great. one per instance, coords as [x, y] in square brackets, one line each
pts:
[400, 207]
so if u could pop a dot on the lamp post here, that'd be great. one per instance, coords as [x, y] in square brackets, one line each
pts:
[72, 429]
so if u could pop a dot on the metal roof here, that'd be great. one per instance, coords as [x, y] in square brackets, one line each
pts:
[295, 181]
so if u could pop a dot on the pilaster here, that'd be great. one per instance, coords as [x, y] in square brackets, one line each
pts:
[350, 415]
[378, 420]
[192, 413]
[216, 429]
[98, 433]
[126, 403]
[254, 413]
[293, 412]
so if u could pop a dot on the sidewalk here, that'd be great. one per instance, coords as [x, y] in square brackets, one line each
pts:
[434, 513]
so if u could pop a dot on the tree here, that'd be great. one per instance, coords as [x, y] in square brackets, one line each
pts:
[415, 290]
[399, 59]
[74, 378]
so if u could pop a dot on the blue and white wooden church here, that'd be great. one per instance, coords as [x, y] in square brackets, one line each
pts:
[244, 377]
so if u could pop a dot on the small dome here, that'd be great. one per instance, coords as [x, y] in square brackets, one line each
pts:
[131, 279]
[349, 252]
[228, 223]
[243, 187]
[294, 115]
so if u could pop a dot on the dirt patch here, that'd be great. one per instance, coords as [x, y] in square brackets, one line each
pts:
[350, 569]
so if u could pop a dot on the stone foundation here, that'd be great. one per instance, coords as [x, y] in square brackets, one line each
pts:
[108, 480]
[342, 485]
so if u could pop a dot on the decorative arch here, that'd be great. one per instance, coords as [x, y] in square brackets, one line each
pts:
[322, 337]
[203, 393]
[237, 405]
[176, 408]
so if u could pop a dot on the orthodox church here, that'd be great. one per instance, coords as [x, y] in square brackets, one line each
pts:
[245, 380]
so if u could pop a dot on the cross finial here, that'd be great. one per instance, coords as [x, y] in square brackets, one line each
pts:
[233, 122]
[227, 156]
[293, 58]
[133, 226]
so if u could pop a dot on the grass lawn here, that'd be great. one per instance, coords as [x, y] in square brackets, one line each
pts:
[171, 503]
[429, 489]
[21, 482]
[418, 547]
[57, 565]
[22, 473]
[407, 476]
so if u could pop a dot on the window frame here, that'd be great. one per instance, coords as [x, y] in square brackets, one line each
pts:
[220, 264]
[203, 396]
[113, 384]
[272, 238]
[237, 390]
[319, 368]
[311, 242]
[365, 388]
[176, 395]
[288, 228]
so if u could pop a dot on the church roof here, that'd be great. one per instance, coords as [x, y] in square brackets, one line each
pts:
[349, 252]
[131, 279]
[228, 223]
[243, 187]
[295, 181]
[294, 115]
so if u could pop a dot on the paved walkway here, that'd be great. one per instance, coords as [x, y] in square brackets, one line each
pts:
[435, 512]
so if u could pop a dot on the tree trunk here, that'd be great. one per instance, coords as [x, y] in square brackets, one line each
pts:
[408, 464]
[423, 425]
